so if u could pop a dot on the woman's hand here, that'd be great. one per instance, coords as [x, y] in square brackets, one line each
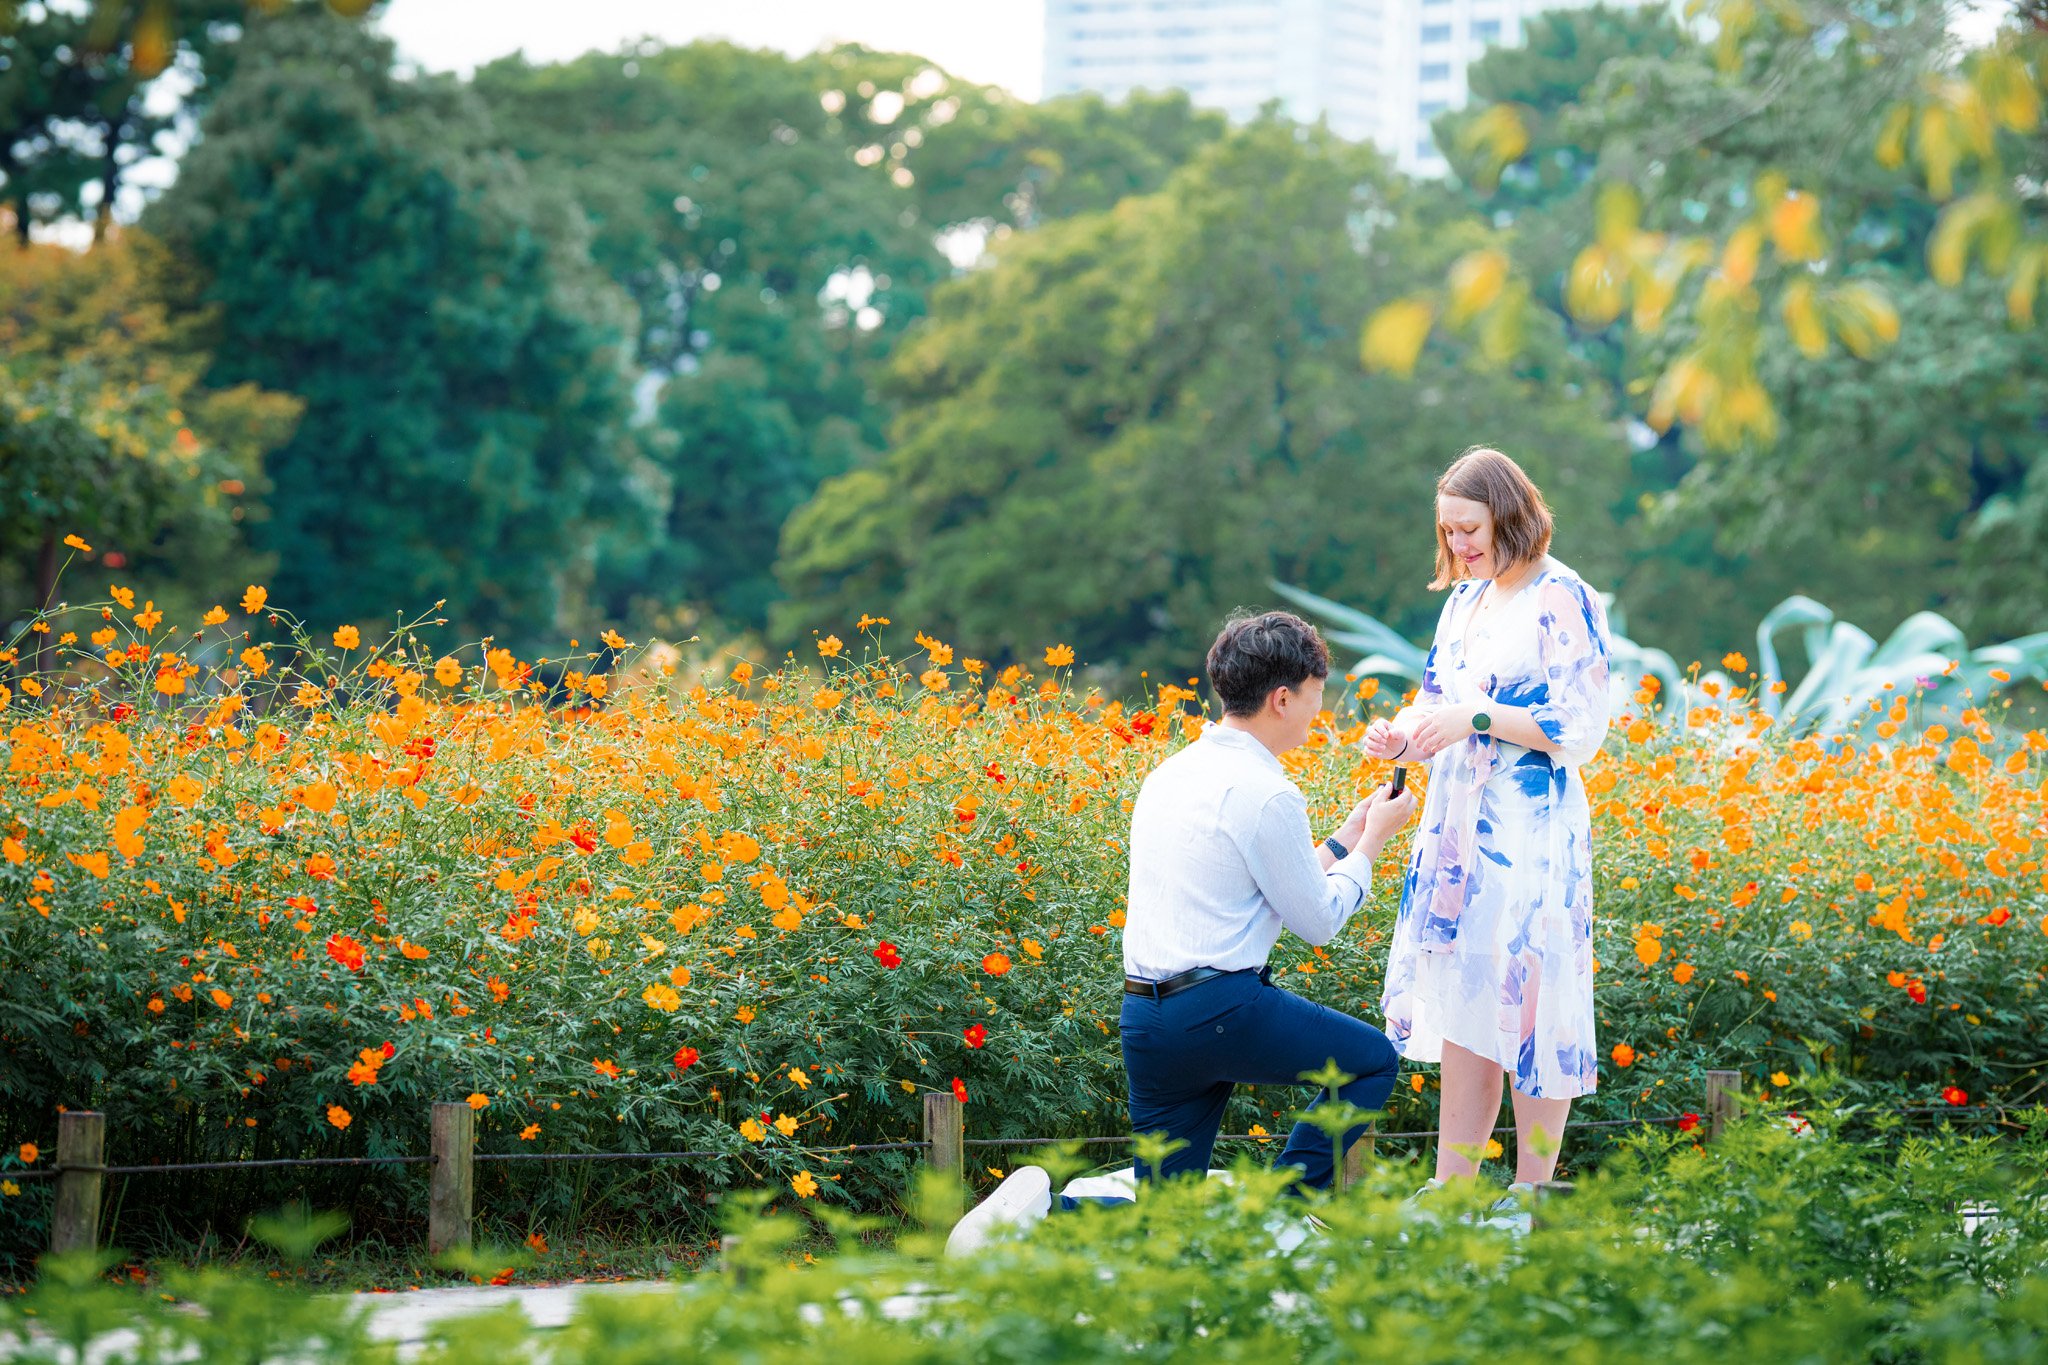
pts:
[1440, 728]
[1382, 740]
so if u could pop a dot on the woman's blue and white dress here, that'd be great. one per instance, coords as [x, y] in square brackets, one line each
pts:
[1493, 949]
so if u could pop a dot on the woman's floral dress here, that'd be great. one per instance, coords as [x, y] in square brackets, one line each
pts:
[1493, 949]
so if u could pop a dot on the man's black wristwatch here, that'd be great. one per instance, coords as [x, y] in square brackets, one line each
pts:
[1336, 848]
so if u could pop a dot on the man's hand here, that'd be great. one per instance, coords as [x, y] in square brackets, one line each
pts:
[1382, 740]
[1377, 817]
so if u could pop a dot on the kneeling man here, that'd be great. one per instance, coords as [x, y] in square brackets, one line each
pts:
[1223, 859]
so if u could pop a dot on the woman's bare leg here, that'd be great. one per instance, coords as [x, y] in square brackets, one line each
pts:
[1471, 1107]
[1539, 1136]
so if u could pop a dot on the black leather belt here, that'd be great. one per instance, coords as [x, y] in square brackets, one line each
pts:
[1173, 985]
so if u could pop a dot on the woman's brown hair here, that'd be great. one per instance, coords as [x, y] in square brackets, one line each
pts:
[1521, 519]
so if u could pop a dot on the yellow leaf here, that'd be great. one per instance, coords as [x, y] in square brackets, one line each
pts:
[1948, 246]
[1475, 281]
[1501, 330]
[1938, 151]
[1739, 256]
[1617, 215]
[1891, 139]
[1802, 318]
[1394, 335]
[2022, 286]
[1594, 290]
[1495, 138]
[1864, 318]
[2008, 90]
[1795, 227]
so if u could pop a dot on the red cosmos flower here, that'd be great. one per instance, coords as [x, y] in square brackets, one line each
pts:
[685, 1058]
[123, 711]
[1917, 992]
[1688, 1122]
[583, 838]
[886, 954]
[1955, 1095]
[959, 1090]
[1142, 722]
[1996, 917]
[390, 1050]
[422, 747]
[346, 951]
[996, 772]
[975, 1034]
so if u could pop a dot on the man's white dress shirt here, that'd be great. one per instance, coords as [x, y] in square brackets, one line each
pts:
[1222, 859]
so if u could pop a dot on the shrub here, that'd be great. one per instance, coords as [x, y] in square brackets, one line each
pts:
[269, 897]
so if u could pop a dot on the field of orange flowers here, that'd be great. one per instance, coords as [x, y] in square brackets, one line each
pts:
[268, 893]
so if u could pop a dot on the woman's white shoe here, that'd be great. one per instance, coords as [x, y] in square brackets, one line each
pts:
[1021, 1200]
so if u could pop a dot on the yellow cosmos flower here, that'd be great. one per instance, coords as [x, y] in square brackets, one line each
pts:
[253, 600]
[1059, 656]
[752, 1131]
[347, 637]
[662, 998]
[804, 1185]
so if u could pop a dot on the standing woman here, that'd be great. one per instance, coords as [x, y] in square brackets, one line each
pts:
[1491, 970]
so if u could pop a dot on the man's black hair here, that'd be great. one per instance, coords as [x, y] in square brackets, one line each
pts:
[1255, 654]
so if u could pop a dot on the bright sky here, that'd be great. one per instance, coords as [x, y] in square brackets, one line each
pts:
[996, 42]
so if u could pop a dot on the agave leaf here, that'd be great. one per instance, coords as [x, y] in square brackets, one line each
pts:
[1793, 611]
[1372, 633]
[1815, 703]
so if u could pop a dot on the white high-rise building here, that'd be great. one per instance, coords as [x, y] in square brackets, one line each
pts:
[1377, 69]
[1316, 57]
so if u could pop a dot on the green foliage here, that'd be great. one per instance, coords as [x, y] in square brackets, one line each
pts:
[361, 245]
[106, 428]
[1836, 1246]
[776, 222]
[1129, 424]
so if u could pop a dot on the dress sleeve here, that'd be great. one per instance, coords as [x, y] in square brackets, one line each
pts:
[1567, 693]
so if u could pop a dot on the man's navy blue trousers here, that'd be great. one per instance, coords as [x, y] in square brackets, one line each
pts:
[1185, 1053]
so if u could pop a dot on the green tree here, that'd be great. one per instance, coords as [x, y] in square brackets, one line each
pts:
[107, 431]
[1132, 421]
[777, 221]
[360, 243]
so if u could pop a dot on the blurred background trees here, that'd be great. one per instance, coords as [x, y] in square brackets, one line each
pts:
[708, 340]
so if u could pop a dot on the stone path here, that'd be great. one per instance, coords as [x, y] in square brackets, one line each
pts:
[405, 1318]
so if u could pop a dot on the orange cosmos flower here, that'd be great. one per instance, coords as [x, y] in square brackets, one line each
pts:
[448, 672]
[995, 964]
[1623, 1055]
[339, 1116]
[347, 637]
[606, 1068]
[479, 1100]
[30, 1153]
[320, 867]
[79, 545]
[529, 1132]
[253, 599]
[346, 951]
[1059, 656]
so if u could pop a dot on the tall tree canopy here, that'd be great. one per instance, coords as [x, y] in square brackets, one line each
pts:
[363, 244]
[1137, 417]
[777, 221]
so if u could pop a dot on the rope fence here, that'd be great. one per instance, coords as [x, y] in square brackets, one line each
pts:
[80, 1169]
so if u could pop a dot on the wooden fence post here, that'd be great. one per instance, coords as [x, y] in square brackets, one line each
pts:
[945, 1133]
[451, 1188]
[1351, 1169]
[81, 1141]
[1724, 1095]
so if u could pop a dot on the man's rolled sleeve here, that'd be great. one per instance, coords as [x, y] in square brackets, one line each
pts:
[1282, 860]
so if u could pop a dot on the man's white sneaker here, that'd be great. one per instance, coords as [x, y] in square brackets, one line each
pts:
[1021, 1200]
